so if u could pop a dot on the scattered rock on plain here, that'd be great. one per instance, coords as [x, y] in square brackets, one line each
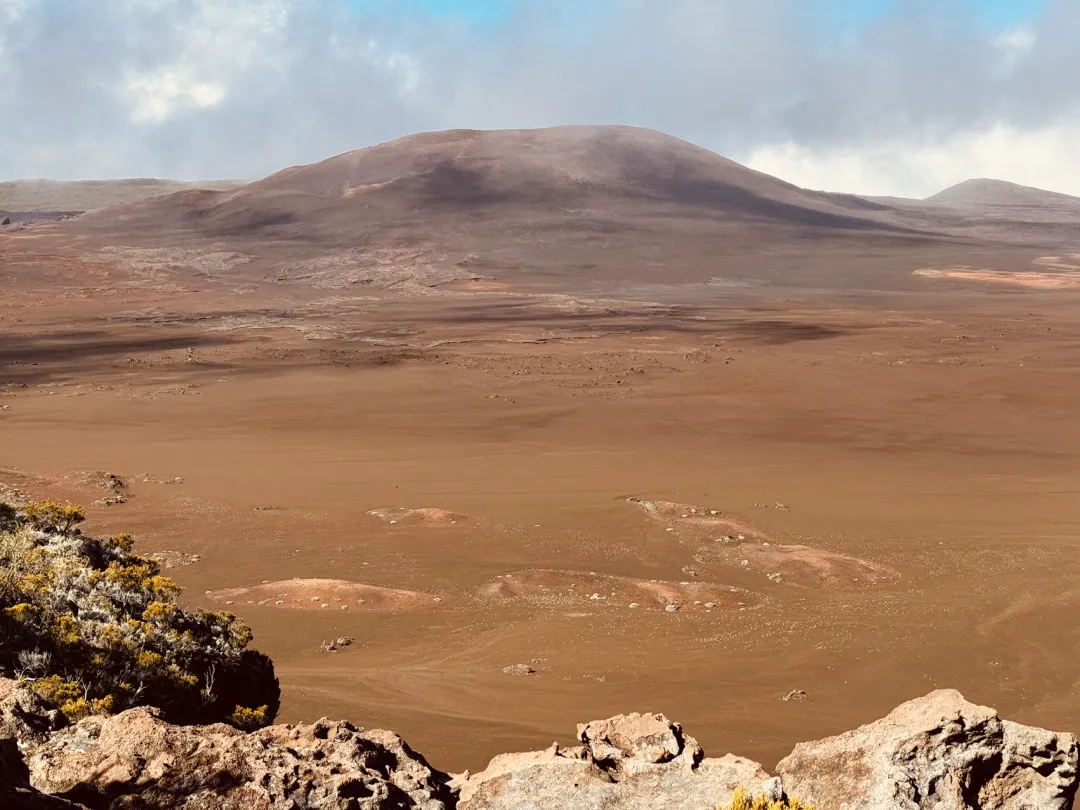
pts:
[519, 669]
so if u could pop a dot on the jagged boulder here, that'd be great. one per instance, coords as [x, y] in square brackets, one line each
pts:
[25, 720]
[629, 762]
[936, 753]
[136, 759]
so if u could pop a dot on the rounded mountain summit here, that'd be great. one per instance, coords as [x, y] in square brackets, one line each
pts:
[609, 176]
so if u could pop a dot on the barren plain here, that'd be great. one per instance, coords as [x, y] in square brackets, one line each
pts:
[549, 454]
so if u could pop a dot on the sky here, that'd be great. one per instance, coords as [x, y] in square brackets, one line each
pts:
[891, 97]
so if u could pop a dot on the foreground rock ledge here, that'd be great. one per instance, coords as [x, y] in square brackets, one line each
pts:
[935, 753]
[630, 761]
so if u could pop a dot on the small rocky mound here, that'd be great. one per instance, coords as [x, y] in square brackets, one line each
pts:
[564, 589]
[683, 516]
[630, 762]
[173, 559]
[99, 479]
[797, 564]
[324, 594]
[937, 752]
[427, 516]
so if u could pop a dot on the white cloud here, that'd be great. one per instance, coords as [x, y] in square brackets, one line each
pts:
[159, 96]
[403, 68]
[406, 67]
[217, 41]
[1017, 41]
[11, 11]
[1044, 157]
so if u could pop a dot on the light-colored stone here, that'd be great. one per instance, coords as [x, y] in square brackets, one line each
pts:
[323, 765]
[630, 762]
[936, 753]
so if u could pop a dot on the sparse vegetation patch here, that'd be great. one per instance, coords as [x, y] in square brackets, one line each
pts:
[742, 800]
[97, 629]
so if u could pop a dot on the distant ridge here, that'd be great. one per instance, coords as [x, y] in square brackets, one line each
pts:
[985, 191]
[37, 195]
[535, 207]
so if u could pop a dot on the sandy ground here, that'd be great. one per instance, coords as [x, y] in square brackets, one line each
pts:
[863, 497]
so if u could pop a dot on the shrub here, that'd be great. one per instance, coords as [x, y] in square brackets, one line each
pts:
[52, 516]
[249, 719]
[742, 801]
[7, 517]
[97, 629]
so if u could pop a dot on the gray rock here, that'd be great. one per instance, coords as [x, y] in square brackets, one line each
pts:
[936, 753]
[135, 759]
[630, 762]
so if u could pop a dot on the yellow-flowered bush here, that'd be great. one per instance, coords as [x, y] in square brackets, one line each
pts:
[249, 719]
[742, 800]
[97, 629]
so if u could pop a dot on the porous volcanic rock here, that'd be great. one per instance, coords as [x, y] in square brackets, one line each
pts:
[137, 760]
[629, 762]
[17, 794]
[936, 753]
[25, 718]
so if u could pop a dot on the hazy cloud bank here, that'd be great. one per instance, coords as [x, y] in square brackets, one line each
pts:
[916, 98]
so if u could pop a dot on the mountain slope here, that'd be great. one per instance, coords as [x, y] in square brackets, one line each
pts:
[533, 175]
[983, 191]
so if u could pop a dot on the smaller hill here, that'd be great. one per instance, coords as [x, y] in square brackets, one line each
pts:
[984, 192]
[86, 195]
